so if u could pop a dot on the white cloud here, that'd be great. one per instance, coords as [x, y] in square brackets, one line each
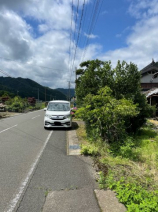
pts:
[91, 36]
[15, 37]
[43, 28]
[142, 42]
[45, 57]
[143, 8]
[28, 55]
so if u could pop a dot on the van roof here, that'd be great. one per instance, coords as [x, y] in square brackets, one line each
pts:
[63, 101]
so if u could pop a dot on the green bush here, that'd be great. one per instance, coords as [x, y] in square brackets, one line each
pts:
[106, 116]
[124, 82]
[89, 150]
[131, 194]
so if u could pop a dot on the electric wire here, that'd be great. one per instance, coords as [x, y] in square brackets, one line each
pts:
[83, 22]
[90, 27]
[33, 65]
[78, 36]
[94, 19]
[76, 20]
[70, 36]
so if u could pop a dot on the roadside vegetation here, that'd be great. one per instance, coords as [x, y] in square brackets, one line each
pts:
[16, 104]
[117, 132]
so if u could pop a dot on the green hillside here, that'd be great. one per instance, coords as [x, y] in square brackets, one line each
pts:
[29, 88]
[66, 91]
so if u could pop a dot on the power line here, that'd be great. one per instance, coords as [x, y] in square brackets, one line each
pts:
[94, 17]
[84, 18]
[70, 35]
[32, 65]
[93, 14]
[76, 18]
[78, 35]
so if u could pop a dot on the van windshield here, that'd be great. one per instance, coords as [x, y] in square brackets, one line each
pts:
[58, 106]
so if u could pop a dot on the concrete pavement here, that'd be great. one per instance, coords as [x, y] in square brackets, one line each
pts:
[83, 199]
[63, 180]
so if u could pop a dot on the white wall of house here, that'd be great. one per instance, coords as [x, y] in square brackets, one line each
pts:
[147, 79]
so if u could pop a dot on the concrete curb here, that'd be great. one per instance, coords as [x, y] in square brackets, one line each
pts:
[108, 201]
[73, 147]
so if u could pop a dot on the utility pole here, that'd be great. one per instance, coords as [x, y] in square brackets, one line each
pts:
[45, 94]
[38, 95]
[75, 76]
[69, 90]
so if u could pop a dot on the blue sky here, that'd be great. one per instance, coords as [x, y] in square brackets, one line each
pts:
[35, 36]
[114, 24]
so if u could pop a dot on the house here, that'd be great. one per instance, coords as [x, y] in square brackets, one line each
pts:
[149, 77]
[152, 98]
[149, 83]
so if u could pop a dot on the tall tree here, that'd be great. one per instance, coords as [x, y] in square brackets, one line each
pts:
[123, 80]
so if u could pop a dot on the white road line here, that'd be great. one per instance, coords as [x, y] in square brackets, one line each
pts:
[8, 128]
[14, 202]
[35, 117]
[21, 114]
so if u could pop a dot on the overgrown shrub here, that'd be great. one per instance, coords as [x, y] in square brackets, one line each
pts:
[106, 116]
[124, 82]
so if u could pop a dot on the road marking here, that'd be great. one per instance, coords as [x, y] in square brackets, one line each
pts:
[35, 117]
[8, 128]
[14, 202]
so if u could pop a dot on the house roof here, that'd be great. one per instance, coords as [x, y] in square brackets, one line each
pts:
[151, 66]
[151, 92]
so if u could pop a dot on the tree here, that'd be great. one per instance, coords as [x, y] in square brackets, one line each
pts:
[89, 81]
[123, 81]
[105, 116]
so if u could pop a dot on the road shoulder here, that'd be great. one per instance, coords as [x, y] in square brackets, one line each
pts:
[107, 199]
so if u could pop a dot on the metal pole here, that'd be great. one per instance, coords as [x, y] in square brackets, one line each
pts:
[69, 90]
[45, 94]
[38, 94]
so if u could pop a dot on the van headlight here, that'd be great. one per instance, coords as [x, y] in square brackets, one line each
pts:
[48, 116]
[67, 116]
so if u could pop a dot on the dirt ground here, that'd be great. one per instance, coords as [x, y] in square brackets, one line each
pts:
[7, 114]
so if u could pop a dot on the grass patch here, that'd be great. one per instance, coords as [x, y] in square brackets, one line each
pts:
[129, 168]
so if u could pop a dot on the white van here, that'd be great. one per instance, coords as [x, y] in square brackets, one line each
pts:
[58, 114]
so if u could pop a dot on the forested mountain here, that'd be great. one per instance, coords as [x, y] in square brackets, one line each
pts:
[29, 88]
[66, 91]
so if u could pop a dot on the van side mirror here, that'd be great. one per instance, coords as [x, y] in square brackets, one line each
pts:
[45, 109]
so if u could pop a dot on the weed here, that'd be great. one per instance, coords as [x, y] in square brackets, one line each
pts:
[129, 167]
[131, 194]
[46, 193]
[89, 150]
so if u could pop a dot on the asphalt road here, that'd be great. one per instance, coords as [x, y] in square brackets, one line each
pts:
[34, 161]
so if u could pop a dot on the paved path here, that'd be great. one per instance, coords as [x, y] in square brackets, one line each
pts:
[42, 169]
[82, 199]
